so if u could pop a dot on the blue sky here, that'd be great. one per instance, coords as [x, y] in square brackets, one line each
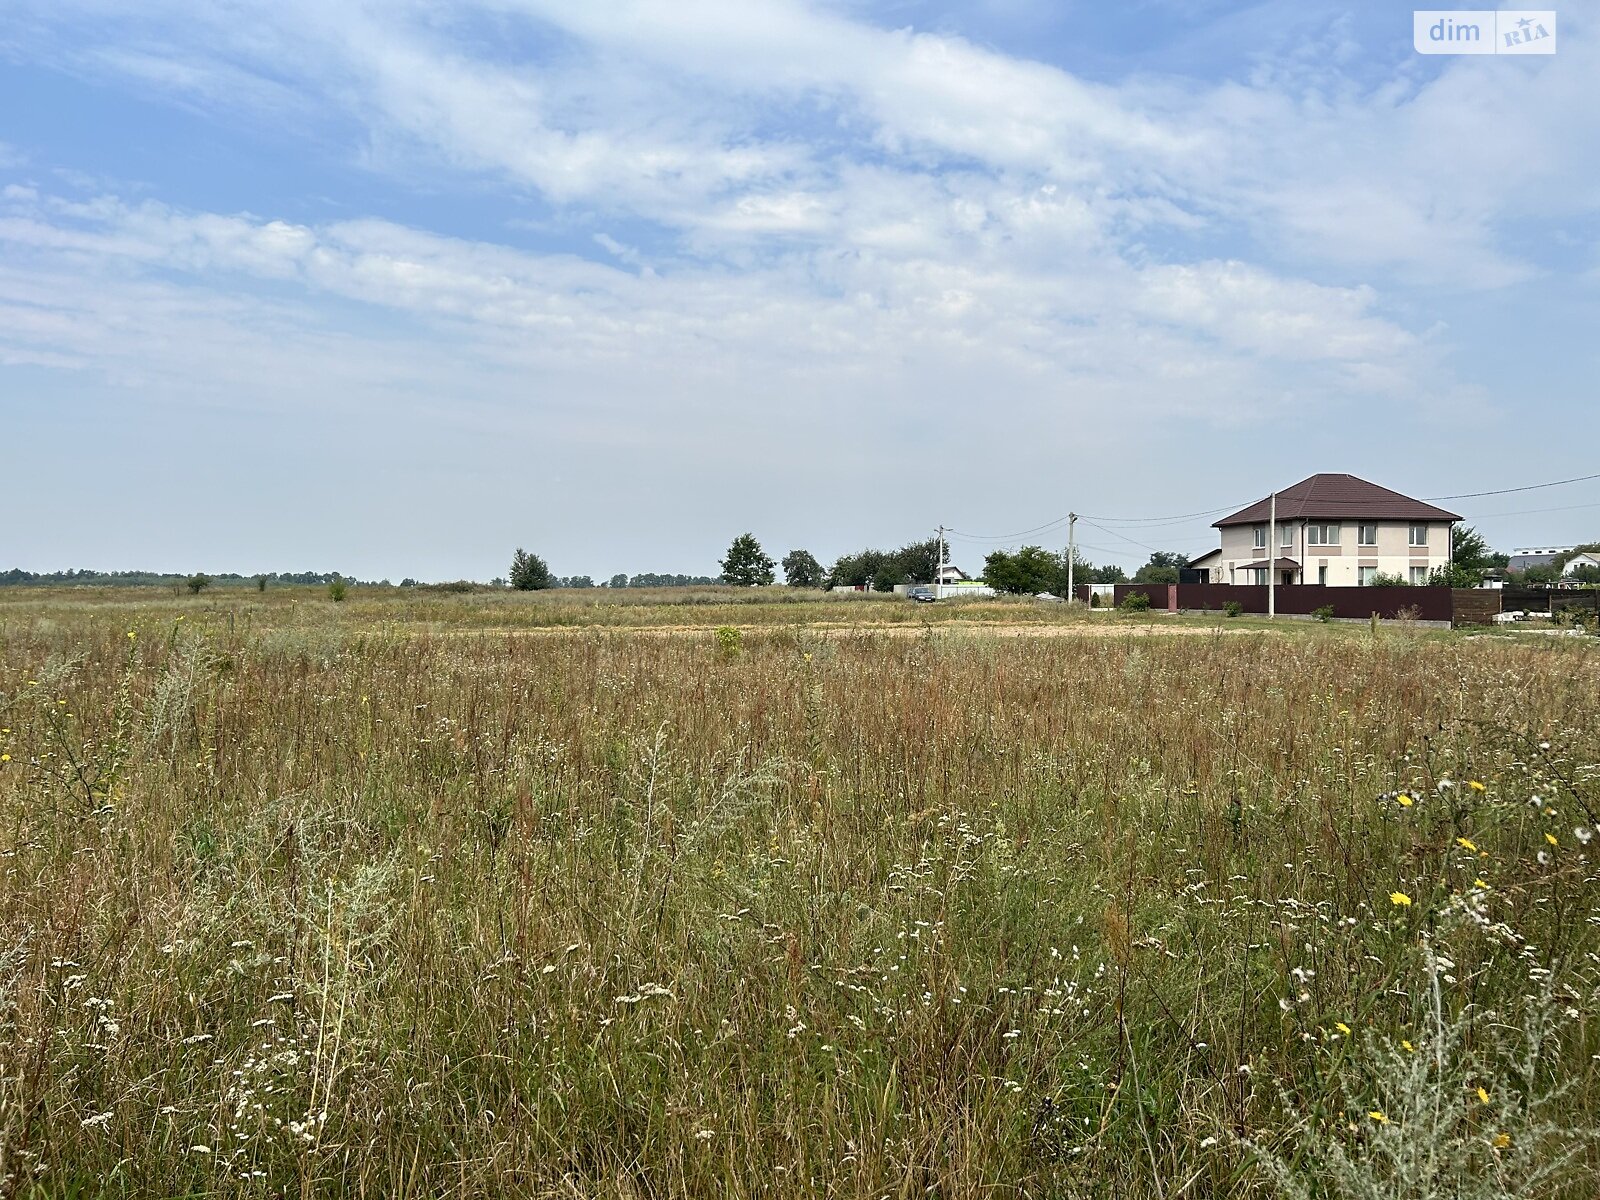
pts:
[393, 289]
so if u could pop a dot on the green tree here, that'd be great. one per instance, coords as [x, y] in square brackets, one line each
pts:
[529, 572]
[1470, 557]
[1082, 573]
[917, 562]
[857, 570]
[1109, 574]
[1453, 575]
[1027, 572]
[802, 570]
[1163, 567]
[747, 565]
[197, 583]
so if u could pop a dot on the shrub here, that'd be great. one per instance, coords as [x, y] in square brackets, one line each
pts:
[1382, 580]
[337, 590]
[1232, 608]
[1323, 614]
[1135, 602]
[197, 583]
[729, 640]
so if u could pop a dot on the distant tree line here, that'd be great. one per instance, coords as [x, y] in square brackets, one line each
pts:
[650, 579]
[20, 578]
[1033, 569]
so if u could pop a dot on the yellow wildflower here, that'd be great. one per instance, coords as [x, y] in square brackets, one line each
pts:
[1405, 800]
[1409, 1048]
[1378, 1115]
[1483, 1096]
[1501, 1141]
[132, 633]
[1475, 785]
[1551, 838]
[1466, 844]
[1399, 898]
[5, 758]
[1342, 1028]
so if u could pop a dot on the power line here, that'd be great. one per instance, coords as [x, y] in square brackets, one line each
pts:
[1179, 518]
[1004, 536]
[1115, 534]
[1532, 487]
[1001, 537]
[1175, 518]
[1528, 512]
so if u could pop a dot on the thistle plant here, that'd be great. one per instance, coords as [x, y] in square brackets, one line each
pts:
[1469, 1110]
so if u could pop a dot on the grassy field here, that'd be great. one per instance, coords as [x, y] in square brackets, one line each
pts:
[423, 895]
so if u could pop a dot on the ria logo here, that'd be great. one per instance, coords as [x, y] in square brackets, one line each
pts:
[1483, 31]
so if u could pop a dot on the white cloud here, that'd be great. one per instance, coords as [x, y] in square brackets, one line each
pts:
[848, 316]
[737, 121]
[856, 246]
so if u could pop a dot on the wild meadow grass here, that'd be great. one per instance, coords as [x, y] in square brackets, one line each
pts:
[359, 900]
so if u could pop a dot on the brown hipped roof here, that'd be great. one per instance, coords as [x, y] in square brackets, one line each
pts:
[1338, 498]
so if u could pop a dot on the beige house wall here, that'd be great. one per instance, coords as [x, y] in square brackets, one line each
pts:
[1393, 554]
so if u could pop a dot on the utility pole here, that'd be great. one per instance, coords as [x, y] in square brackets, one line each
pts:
[1272, 568]
[1072, 554]
[938, 569]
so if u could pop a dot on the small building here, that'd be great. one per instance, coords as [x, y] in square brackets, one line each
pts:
[1589, 558]
[1207, 568]
[1335, 530]
[1535, 556]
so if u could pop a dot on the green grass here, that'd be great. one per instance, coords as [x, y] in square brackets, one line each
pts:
[821, 910]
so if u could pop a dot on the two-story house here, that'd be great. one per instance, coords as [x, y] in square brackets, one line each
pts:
[1332, 529]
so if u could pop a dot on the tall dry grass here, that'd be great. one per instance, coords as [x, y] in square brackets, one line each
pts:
[297, 904]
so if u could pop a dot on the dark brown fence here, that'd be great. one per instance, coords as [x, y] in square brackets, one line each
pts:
[1474, 606]
[1565, 603]
[1524, 599]
[1302, 600]
[1554, 601]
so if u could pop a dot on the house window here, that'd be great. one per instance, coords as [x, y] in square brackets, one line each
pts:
[1419, 535]
[1322, 535]
[1322, 576]
[1369, 536]
[1287, 540]
[1365, 575]
[1419, 575]
[1261, 537]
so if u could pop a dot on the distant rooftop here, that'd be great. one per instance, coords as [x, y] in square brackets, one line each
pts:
[1330, 497]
